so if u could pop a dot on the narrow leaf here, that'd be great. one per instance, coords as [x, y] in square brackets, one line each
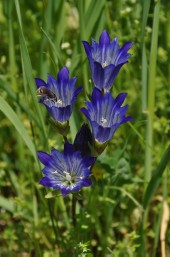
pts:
[11, 115]
[156, 178]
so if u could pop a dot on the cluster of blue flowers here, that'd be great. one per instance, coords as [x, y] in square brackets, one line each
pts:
[71, 170]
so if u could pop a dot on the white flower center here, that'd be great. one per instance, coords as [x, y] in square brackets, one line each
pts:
[104, 64]
[59, 101]
[103, 121]
[68, 177]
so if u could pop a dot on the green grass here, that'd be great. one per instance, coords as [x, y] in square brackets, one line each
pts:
[121, 214]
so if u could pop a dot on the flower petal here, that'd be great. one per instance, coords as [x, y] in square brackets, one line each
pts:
[86, 182]
[45, 181]
[88, 161]
[98, 75]
[68, 148]
[87, 48]
[96, 95]
[40, 83]
[104, 38]
[44, 157]
[85, 112]
[63, 75]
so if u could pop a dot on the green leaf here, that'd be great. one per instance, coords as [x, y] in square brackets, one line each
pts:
[27, 72]
[6, 204]
[156, 179]
[11, 115]
[52, 194]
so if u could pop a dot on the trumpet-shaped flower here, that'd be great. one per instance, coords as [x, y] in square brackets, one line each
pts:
[67, 171]
[105, 59]
[105, 114]
[83, 140]
[58, 95]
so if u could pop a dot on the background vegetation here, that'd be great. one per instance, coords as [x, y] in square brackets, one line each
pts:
[125, 213]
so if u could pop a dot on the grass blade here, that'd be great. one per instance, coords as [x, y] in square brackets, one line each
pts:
[27, 68]
[151, 92]
[156, 179]
[6, 204]
[11, 115]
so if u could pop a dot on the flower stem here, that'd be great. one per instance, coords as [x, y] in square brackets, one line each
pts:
[65, 139]
[74, 201]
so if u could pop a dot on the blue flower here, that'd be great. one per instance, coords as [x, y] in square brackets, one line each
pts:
[58, 95]
[67, 171]
[105, 114]
[105, 59]
[83, 140]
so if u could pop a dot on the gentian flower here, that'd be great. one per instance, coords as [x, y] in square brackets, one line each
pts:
[105, 59]
[83, 140]
[58, 95]
[67, 171]
[105, 114]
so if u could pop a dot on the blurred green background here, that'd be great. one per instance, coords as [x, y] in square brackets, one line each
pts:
[125, 212]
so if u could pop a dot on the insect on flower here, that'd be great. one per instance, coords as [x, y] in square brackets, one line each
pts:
[43, 91]
[58, 94]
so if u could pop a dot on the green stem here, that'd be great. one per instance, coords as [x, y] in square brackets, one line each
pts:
[151, 94]
[74, 201]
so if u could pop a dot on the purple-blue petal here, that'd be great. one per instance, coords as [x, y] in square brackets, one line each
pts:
[60, 114]
[110, 73]
[68, 148]
[45, 181]
[101, 134]
[96, 95]
[120, 99]
[63, 75]
[88, 161]
[87, 48]
[98, 75]
[40, 82]
[104, 38]
[77, 91]
[85, 112]
[65, 191]
[126, 46]
[86, 182]
[44, 157]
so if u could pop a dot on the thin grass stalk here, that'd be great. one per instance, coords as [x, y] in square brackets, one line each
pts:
[12, 72]
[157, 231]
[144, 78]
[59, 7]
[151, 94]
[82, 37]
[148, 96]
[12, 62]
[46, 25]
[168, 40]
[28, 72]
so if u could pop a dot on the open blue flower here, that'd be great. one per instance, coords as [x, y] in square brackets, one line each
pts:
[105, 114]
[58, 95]
[105, 59]
[67, 171]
